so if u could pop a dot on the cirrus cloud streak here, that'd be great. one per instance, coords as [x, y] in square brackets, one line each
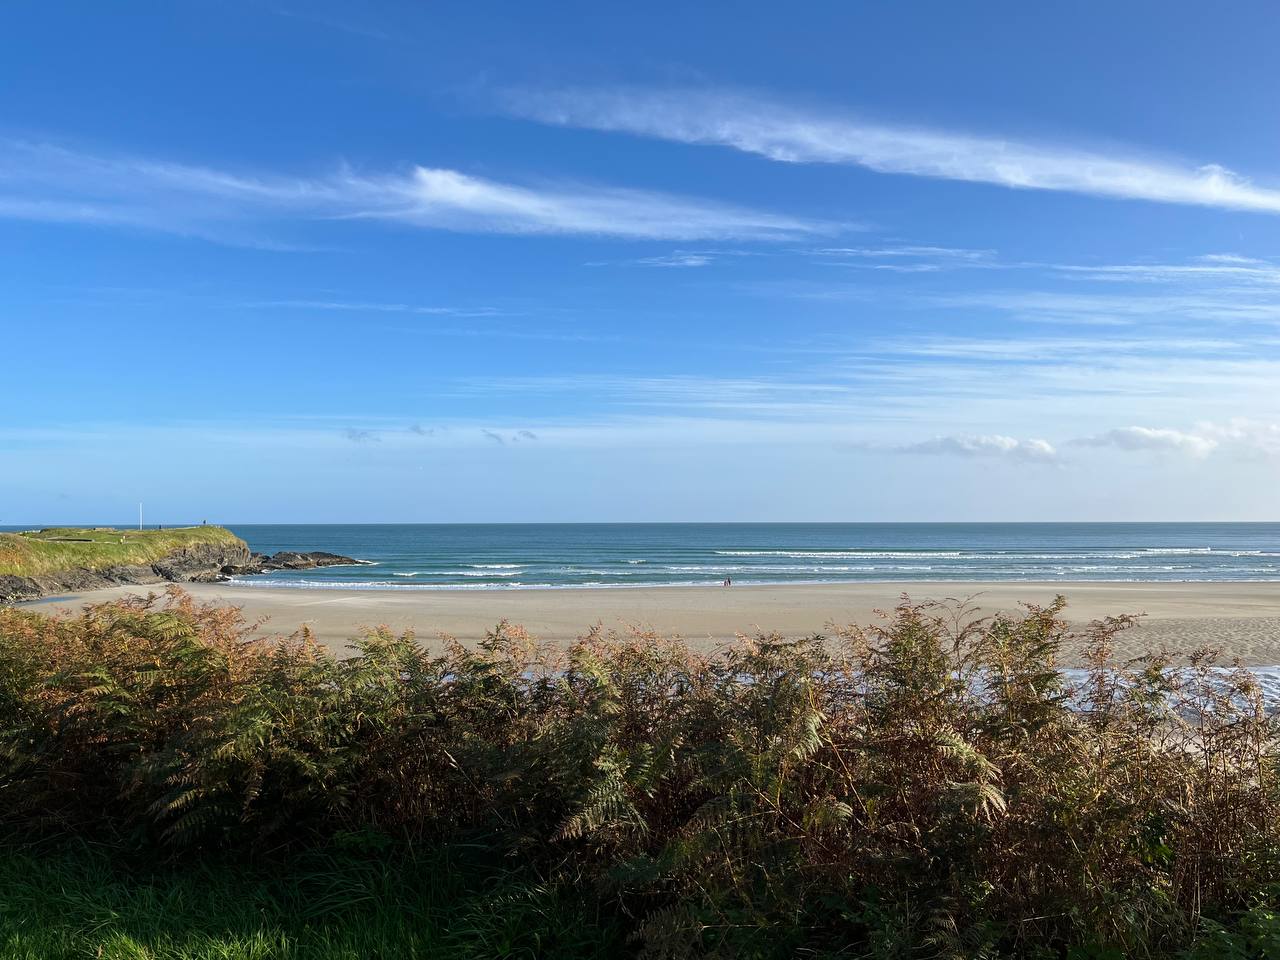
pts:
[46, 182]
[791, 135]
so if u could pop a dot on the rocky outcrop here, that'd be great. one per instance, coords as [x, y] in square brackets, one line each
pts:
[196, 563]
[199, 563]
[288, 560]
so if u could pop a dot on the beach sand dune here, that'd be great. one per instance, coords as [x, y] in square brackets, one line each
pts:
[1242, 619]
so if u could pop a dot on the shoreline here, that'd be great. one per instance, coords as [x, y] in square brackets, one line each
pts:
[1242, 618]
[499, 589]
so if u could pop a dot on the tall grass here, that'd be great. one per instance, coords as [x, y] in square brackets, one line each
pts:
[77, 900]
[931, 786]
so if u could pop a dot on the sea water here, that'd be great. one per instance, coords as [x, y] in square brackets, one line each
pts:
[609, 555]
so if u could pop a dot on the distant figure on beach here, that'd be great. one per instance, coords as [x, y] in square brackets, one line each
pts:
[728, 582]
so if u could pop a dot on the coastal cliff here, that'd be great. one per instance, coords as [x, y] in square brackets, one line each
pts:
[43, 563]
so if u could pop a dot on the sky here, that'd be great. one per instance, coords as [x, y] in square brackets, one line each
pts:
[424, 262]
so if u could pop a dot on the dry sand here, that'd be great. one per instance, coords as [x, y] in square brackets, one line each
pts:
[1243, 619]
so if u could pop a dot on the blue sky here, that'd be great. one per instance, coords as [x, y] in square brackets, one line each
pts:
[427, 262]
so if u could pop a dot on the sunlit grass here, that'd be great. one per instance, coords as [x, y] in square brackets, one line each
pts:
[44, 552]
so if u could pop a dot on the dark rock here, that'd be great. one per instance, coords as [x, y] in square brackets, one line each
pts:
[323, 559]
[138, 573]
[72, 581]
[16, 589]
[287, 560]
[199, 562]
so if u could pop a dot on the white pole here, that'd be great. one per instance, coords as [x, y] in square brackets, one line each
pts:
[139, 514]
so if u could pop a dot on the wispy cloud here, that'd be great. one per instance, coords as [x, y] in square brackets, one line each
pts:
[336, 23]
[363, 307]
[794, 135]
[677, 260]
[1208, 289]
[46, 182]
[899, 267]
[989, 445]
[1089, 308]
[452, 200]
[916, 389]
[1058, 349]
[1217, 270]
[1228, 258]
[912, 252]
[515, 437]
[906, 258]
[361, 436]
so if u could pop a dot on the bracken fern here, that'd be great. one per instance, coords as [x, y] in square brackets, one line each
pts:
[931, 785]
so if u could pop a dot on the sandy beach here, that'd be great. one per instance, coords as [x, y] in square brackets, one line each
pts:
[1242, 619]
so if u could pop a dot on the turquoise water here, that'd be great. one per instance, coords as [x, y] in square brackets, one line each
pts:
[471, 556]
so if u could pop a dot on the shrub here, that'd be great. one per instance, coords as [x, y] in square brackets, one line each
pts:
[932, 786]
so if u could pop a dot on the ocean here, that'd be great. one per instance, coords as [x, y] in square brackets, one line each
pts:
[608, 555]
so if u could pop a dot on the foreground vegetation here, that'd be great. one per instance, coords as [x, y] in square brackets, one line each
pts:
[79, 900]
[932, 787]
[45, 552]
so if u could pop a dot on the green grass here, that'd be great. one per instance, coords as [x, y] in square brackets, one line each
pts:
[44, 552]
[80, 901]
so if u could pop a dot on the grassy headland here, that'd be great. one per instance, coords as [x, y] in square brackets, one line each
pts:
[39, 553]
[931, 787]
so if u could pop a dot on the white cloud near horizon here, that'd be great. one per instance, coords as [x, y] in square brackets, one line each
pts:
[792, 135]
[987, 445]
[51, 183]
[1157, 439]
[461, 475]
[1242, 436]
[1252, 438]
[1242, 440]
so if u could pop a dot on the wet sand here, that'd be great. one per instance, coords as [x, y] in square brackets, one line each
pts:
[1242, 619]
